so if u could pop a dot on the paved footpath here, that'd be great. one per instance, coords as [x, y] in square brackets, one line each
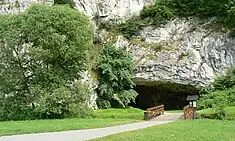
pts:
[87, 134]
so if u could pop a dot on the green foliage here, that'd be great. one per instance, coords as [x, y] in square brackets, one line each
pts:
[166, 9]
[71, 3]
[41, 52]
[103, 104]
[217, 97]
[156, 14]
[219, 94]
[130, 27]
[225, 81]
[108, 25]
[116, 72]
[127, 96]
[212, 113]
[64, 102]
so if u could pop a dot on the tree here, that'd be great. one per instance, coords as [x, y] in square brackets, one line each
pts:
[42, 51]
[116, 72]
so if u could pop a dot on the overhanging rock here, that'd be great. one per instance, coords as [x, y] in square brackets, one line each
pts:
[184, 51]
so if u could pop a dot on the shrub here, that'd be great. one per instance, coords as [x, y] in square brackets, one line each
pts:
[130, 27]
[103, 104]
[156, 14]
[64, 102]
[219, 94]
[225, 81]
[71, 3]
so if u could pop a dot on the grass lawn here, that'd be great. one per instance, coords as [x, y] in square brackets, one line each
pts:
[127, 113]
[209, 112]
[184, 130]
[40, 126]
[103, 118]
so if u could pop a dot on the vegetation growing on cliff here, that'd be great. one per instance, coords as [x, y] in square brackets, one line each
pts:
[163, 10]
[71, 3]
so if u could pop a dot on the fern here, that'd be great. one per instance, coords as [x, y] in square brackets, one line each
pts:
[116, 72]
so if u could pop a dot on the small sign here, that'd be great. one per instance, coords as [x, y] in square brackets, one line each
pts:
[190, 104]
[194, 104]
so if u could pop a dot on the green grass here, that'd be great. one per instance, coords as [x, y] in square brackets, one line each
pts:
[103, 118]
[39, 126]
[128, 113]
[184, 130]
[210, 112]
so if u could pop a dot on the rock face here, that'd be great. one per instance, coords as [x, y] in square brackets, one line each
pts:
[111, 9]
[184, 51]
[92, 85]
[15, 6]
[107, 9]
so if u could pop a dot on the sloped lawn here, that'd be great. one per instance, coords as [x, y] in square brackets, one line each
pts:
[102, 118]
[184, 130]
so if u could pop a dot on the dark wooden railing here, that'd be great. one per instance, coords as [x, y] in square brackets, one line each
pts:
[153, 112]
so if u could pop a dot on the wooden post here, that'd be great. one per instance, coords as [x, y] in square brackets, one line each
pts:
[189, 112]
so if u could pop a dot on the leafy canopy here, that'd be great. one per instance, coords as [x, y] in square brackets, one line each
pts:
[41, 52]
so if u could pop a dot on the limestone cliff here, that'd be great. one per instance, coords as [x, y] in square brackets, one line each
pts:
[184, 51]
[111, 9]
[107, 9]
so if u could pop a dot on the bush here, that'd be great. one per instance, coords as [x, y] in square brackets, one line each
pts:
[156, 14]
[41, 52]
[220, 94]
[225, 81]
[71, 3]
[64, 102]
[213, 114]
[130, 27]
[116, 70]
[103, 104]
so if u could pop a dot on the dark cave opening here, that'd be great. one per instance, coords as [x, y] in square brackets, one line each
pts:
[173, 96]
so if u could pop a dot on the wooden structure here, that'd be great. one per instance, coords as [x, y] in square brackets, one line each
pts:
[153, 112]
[189, 112]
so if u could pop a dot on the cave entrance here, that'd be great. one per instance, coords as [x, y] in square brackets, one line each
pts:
[173, 96]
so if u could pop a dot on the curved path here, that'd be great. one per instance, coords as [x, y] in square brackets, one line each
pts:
[81, 135]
